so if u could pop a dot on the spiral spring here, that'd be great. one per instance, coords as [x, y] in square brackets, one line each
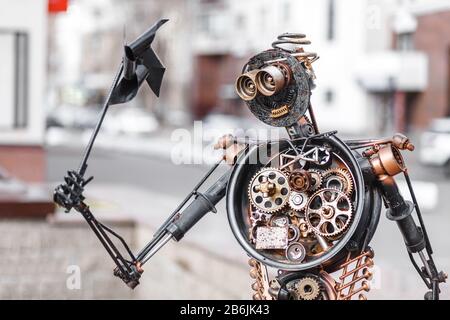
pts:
[296, 41]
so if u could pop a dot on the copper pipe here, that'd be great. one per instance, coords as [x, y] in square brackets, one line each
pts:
[366, 275]
[344, 271]
[398, 140]
[367, 264]
[355, 276]
[365, 287]
[368, 253]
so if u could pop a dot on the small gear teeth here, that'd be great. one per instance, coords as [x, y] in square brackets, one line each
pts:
[308, 288]
[337, 230]
[317, 176]
[343, 174]
[281, 190]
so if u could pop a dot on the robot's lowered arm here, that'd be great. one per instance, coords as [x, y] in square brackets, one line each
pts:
[386, 161]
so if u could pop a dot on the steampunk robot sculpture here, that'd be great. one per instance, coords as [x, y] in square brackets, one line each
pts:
[304, 208]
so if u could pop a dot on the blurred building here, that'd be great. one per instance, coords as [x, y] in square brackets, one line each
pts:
[23, 34]
[431, 36]
[383, 64]
[87, 45]
[229, 32]
[383, 67]
[414, 72]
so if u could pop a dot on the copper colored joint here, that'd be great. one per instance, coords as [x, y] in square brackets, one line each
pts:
[224, 142]
[253, 273]
[255, 286]
[232, 149]
[388, 161]
[139, 267]
[252, 262]
[402, 142]
[257, 296]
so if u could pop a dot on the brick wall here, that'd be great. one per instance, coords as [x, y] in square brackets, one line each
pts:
[24, 162]
[432, 38]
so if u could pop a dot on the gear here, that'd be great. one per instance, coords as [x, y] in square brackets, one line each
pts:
[259, 216]
[316, 179]
[308, 288]
[329, 212]
[300, 180]
[338, 178]
[298, 200]
[269, 190]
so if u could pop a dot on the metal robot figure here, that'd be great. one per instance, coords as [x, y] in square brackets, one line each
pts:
[304, 208]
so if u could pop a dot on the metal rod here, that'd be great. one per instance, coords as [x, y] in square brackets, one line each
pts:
[83, 165]
[418, 212]
[313, 118]
[312, 55]
[425, 263]
[91, 224]
[339, 291]
[118, 255]
[350, 295]
[121, 239]
[156, 248]
[367, 253]
[150, 246]
[354, 277]
[414, 263]
[346, 274]
[353, 282]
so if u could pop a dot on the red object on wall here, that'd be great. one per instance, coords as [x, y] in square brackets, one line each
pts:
[55, 6]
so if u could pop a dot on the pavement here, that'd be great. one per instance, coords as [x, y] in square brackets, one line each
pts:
[136, 177]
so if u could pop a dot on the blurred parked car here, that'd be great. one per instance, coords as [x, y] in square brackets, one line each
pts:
[435, 144]
[130, 120]
[73, 117]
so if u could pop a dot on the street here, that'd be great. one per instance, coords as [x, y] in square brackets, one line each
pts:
[149, 187]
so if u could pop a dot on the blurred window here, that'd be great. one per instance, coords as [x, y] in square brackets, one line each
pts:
[331, 20]
[329, 96]
[286, 12]
[214, 23]
[240, 22]
[13, 79]
[204, 23]
[405, 41]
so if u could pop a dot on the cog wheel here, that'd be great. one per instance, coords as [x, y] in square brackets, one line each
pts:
[338, 178]
[308, 288]
[298, 200]
[329, 212]
[300, 180]
[269, 190]
[316, 179]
